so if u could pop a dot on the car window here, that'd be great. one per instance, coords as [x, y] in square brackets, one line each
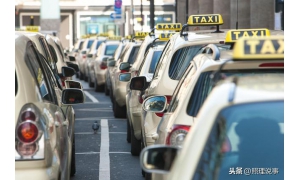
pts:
[155, 58]
[60, 50]
[110, 49]
[204, 86]
[90, 42]
[98, 44]
[53, 53]
[16, 83]
[123, 53]
[35, 67]
[80, 45]
[180, 87]
[142, 64]
[46, 50]
[250, 136]
[181, 60]
[133, 54]
[162, 58]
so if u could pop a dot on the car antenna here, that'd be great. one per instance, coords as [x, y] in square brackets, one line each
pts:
[237, 14]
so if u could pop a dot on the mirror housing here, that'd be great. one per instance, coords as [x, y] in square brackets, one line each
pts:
[105, 59]
[125, 77]
[124, 66]
[90, 55]
[73, 84]
[67, 71]
[72, 58]
[155, 104]
[74, 66]
[138, 83]
[76, 50]
[72, 96]
[158, 158]
[111, 63]
[110, 59]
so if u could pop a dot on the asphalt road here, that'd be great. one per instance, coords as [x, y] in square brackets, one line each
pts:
[106, 154]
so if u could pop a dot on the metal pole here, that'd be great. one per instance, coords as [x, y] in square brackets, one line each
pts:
[142, 16]
[152, 14]
[132, 16]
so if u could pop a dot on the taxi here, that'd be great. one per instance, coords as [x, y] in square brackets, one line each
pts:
[119, 87]
[134, 98]
[116, 55]
[75, 52]
[97, 67]
[177, 54]
[238, 131]
[91, 57]
[45, 53]
[43, 147]
[82, 55]
[196, 84]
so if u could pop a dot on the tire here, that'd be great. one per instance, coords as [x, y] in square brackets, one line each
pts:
[147, 176]
[91, 84]
[86, 78]
[96, 86]
[81, 76]
[128, 132]
[119, 112]
[106, 90]
[73, 162]
[135, 144]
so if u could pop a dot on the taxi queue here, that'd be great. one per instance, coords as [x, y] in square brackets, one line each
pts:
[205, 104]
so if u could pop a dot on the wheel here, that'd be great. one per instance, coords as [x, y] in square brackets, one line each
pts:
[86, 78]
[128, 132]
[106, 90]
[91, 84]
[73, 162]
[96, 86]
[119, 112]
[81, 76]
[147, 176]
[135, 144]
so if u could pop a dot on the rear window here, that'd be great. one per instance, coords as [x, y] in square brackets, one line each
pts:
[154, 61]
[110, 49]
[90, 43]
[133, 54]
[204, 86]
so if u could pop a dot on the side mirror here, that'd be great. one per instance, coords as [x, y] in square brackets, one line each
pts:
[155, 104]
[158, 158]
[105, 59]
[72, 58]
[74, 66]
[138, 83]
[72, 96]
[76, 50]
[125, 77]
[110, 59]
[111, 63]
[124, 66]
[73, 84]
[67, 71]
[83, 52]
[66, 54]
[90, 55]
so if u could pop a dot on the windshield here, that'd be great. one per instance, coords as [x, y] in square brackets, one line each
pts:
[246, 140]
[110, 49]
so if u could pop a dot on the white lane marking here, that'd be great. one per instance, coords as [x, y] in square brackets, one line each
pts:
[104, 167]
[99, 152]
[100, 133]
[91, 97]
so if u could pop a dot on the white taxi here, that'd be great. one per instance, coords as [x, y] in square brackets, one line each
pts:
[238, 131]
[43, 147]
[179, 51]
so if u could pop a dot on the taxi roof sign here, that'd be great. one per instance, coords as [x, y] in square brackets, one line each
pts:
[165, 36]
[260, 48]
[32, 28]
[233, 35]
[141, 34]
[114, 37]
[169, 26]
[205, 20]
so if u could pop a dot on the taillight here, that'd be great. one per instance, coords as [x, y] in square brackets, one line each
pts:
[124, 71]
[103, 65]
[27, 132]
[271, 65]
[83, 56]
[30, 129]
[140, 97]
[63, 81]
[169, 98]
[177, 135]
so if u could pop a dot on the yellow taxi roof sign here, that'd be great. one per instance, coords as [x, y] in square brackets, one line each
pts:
[32, 28]
[233, 35]
[165, 36]
[169, 26]
[205, 20]
[141, 34]
[114, 37]
[260, 48]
